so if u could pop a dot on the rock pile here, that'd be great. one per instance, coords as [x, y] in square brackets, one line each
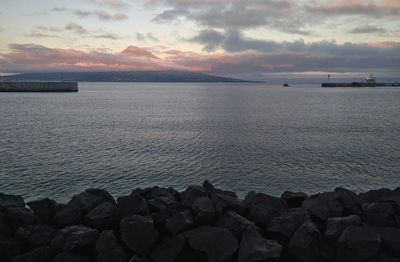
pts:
[202, 224]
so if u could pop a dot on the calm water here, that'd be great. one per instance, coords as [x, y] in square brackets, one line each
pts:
[239, 136]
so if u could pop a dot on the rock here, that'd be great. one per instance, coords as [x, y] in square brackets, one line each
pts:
[263, 208]
[92, 197]
[212, 243]
[322, 206]
[44, 209]
[104, 216]
[390, 237]
[19, 217]
[305, 243]
[37, 235]
[41, 254]
[204, 211]
[108, 248]
[179, 222]
[138, 233]
[350, 201]
[70, 215]
[191, 194]
[136, 258]
[133, 205]
[5, 229]
[357, 244]
[372, 196]
[9, 248]
[225, 203]
[169, 250]
[7, 201]
[336, 225]
[211, 190]
[380, 214]
[293, 199]
[67, 257]
[74, 238]
[235, 223]
[254, 247]
[284, 226]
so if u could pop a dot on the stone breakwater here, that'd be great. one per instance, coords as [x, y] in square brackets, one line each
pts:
[202, 223]
[38, 87]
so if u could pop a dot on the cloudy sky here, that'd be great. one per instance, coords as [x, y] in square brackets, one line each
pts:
[242, 38]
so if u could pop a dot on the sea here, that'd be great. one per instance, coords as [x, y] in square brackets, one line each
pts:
[239, 136]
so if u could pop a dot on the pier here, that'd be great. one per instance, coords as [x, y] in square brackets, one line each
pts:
[38, 86]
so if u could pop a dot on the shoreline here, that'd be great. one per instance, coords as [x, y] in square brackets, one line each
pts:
[203, 223]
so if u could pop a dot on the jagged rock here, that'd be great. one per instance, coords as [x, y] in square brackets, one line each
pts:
[104, 216]
[92, 197]
[380, 214]
[179, 222]
[19, 217]
[254, 247]
[204, 211]
[133, 205]
[225, 203]
[390, 237]
[191, 194]
[357, 244]
[70, 215]
[211, 190]
[263, 208]
[37, 235]
[350, 201]
[44, 209]
[74, 238]
[305, 243]
[168, 195]
[138, 233]
[212, 244]
[7, 201]
[67, 257]
[336, 225]
[235, 223]
[9, 248]
[323, 206]
[108, 248]
[372, 196]
[293, 199]
[5, 229]
[169, 250]
[41, 254]
[136, 258]
[284, 226]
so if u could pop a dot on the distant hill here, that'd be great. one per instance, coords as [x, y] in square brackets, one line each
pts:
[131, 76]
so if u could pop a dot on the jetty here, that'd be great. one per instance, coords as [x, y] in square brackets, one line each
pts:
[369, 82]
[12, 86]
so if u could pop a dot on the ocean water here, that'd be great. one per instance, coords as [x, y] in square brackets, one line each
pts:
[241, 137]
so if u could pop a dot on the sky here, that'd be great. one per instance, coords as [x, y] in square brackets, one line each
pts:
[251, 39]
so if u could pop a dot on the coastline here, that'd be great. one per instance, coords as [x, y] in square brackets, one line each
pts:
[202, 223]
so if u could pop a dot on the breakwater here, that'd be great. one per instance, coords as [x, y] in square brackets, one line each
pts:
[38, 87]
[203, 223]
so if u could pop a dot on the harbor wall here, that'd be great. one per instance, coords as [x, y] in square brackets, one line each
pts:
[38, 87]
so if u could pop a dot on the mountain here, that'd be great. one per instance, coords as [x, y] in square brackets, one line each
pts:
[131, 76]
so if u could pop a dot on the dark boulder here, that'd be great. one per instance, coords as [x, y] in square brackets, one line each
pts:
[204, 211]
[235, 223]
[336, 225]
[306, 242]
[372, 196]
[170, 250]
[40, 254]
[323, 206]
[212, 244]
[381, 214]
[133, 205]
[9, 248]
[68, 257]
[284, 226]
[108, 248]
[350, 201]
[92, 197]
[36, 235]
[19, 217]
[255, 248]
[191, 194]
[211, 190]
[137, 258]
[390, 237]
[44, 209]
[7, 201]
[138, 233]
[74, 238]
[293, 199]
[104, 216]
[5, 229]
[179, 222]
[225, 203]
[357, 244]
[71, 214]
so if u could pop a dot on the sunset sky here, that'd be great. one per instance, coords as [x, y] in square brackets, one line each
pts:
[251, 39]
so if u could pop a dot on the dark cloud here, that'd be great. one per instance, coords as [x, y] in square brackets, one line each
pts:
[147, 37]
[75, 28]
[107, 36]
[367, 29]
[105, 16]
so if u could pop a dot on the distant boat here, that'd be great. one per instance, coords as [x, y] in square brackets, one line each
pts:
[286, 85]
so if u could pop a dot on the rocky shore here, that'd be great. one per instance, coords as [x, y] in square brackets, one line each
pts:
[202, 224]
